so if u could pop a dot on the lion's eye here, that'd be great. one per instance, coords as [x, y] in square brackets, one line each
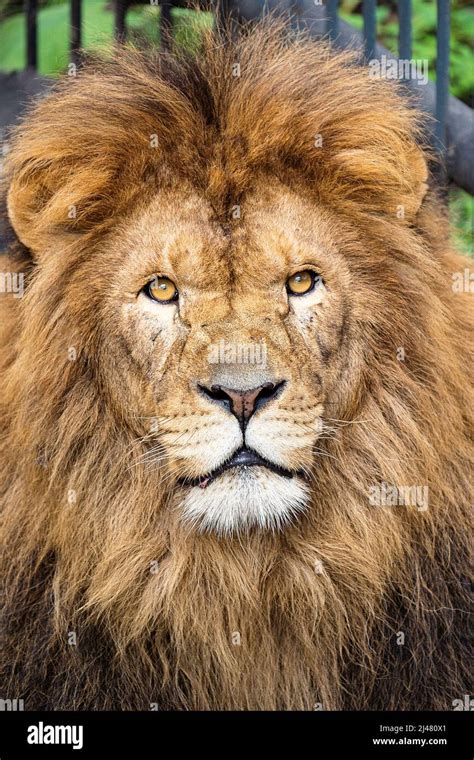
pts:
[301, 283]
[161, 289]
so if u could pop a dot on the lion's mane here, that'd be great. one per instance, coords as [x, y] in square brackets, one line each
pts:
[106, 601]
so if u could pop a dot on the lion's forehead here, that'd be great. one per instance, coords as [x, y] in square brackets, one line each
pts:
[177, 234]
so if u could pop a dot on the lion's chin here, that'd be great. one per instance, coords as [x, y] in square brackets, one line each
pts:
[243, 498]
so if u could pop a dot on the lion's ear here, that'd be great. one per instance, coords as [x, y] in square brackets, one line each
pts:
[51, 199]
[418, 171]
[39, 213]
[21, 213]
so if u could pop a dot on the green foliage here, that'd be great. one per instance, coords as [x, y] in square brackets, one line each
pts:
[461, 211]
[53, 36]
[97, 32]
[424, 22]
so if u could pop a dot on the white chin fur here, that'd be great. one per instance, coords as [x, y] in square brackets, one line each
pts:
[245, 497]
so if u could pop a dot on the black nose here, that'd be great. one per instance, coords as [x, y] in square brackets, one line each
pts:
[243, 403]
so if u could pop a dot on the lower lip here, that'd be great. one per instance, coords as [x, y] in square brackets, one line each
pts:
[207, 481]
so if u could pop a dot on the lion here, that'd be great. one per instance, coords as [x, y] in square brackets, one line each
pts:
[236, 404]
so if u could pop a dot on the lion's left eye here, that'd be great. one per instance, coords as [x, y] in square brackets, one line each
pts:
[302, 282]
[161, 289]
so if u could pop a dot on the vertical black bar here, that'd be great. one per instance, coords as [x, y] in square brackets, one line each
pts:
[166, 25]
[31, 33]
[222, 11]
[333, 18]
[404, 30]
[368, 9]
[294, 12]
[120, 12]
[76, 8]
[442, 73]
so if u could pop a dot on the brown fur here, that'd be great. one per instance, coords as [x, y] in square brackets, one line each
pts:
[166, 638]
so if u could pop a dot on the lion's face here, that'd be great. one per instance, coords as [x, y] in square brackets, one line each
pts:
[226, 373]
[229, 385]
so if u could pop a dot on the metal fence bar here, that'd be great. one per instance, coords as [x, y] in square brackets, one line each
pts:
[120, 13]
[442, 71]
[333, 18]
[368, 10]
[76, 14]
[404, 29]
[32, 34]
[222, 11]
[166, 25]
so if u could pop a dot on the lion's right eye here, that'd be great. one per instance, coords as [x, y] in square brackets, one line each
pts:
[161, 289]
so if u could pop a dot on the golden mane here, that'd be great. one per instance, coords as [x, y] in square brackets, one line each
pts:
[242, 106]
[90, 544]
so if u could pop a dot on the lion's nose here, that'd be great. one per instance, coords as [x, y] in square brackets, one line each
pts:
[243, 403]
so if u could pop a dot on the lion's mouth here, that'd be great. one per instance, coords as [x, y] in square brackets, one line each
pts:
[243, 457]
